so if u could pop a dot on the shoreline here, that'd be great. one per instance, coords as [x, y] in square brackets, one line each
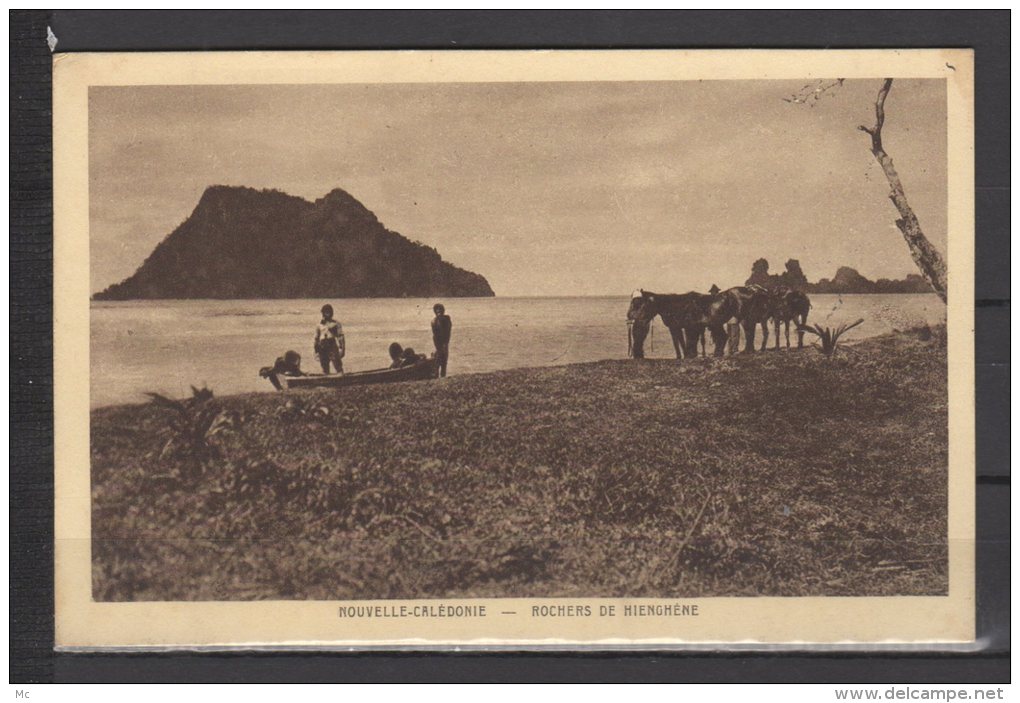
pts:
[125, 367]
[579, 366]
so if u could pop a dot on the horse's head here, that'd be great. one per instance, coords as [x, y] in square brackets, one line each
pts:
[642, 307]
[637, 333]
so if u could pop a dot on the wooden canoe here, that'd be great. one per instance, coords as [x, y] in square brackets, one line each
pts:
[423, 370]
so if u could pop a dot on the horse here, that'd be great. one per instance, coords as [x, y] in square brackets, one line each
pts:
[686, 317]
[790, 305]
[751, 306]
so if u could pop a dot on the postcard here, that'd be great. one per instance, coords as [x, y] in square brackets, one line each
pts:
[514, 349]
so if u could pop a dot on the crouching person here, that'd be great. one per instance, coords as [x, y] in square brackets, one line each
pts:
[287, 365]
[401, 357]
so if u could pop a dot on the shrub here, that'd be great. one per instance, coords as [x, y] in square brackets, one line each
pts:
[193, 426]
[828, 336]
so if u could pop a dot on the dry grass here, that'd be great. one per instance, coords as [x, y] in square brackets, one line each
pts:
[779, 473]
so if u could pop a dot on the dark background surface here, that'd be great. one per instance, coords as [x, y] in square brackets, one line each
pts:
[31, 425]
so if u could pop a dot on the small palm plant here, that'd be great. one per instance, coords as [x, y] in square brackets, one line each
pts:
[829, 337]
[193, 425]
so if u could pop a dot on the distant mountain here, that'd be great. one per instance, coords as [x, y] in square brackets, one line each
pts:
[247, 243]
[846, 280]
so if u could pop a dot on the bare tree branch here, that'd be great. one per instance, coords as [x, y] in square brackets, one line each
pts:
[813, 92]
[925, 255]
[876, 131]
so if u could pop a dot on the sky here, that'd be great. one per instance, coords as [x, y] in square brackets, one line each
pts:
[587, 188]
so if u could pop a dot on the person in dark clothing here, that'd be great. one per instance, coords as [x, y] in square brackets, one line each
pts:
[287, 365]
[402, 357]
[396, 355]
[441, 328]
[410, 358]
[329, 342]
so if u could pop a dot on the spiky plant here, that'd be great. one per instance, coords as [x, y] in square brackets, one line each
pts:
[829, 337]
[192, 425]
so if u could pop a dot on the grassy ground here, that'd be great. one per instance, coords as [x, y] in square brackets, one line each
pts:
[783, 473]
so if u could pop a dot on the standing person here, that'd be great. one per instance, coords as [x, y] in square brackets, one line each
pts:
[441, 327]
[329, 341]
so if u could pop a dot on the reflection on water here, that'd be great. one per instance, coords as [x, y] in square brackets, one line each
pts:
[166, 346]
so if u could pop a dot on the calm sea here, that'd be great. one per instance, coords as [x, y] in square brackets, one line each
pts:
[165, 346]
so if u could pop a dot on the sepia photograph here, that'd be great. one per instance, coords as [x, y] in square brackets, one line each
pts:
[571, 355]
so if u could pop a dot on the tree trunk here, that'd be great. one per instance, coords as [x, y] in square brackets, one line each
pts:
[926, 256]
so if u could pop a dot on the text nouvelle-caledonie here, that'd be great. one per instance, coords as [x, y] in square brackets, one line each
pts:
[539, 611]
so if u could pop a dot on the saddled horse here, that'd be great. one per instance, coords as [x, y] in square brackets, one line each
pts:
[750, 306]
[686, 316]
[790, 305]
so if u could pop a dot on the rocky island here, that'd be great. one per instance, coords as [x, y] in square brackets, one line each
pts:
[246, 243]
[846, 280]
